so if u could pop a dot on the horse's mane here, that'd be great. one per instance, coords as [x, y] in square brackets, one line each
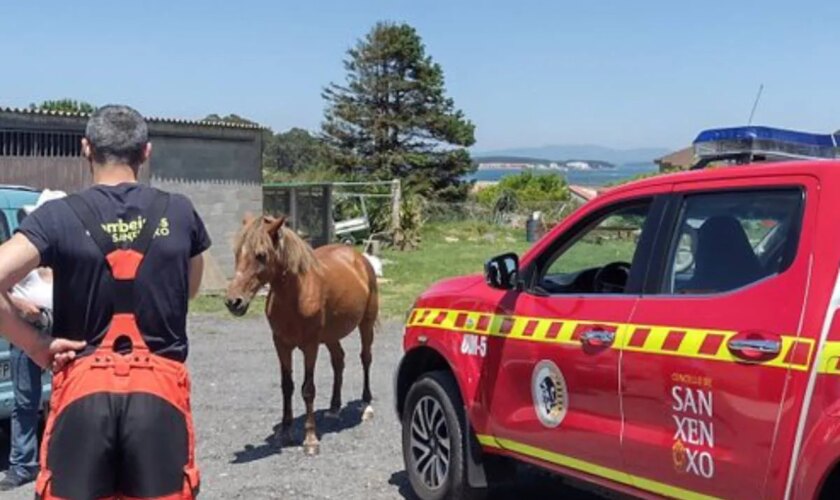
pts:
[295, 254]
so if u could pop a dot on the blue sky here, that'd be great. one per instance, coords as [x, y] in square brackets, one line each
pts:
[616, 73]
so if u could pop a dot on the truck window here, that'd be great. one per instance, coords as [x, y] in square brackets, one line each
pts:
[726, 241]
[598, 258]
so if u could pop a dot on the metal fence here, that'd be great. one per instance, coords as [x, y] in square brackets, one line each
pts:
[549, 212]
[307, 208]
[313, 209]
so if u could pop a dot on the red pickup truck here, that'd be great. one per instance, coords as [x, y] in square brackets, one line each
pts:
[676, 337]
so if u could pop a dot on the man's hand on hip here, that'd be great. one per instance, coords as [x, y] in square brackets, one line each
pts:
[55, 354]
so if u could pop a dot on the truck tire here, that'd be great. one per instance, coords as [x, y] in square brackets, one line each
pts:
[433, 440]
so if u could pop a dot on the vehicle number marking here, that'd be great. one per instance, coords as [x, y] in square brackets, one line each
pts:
[474, 345]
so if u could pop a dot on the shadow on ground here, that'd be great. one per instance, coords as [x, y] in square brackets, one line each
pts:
[350, 416]
[526, 482]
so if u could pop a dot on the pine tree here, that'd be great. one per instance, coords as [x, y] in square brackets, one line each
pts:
[64, 106]
[392, 119]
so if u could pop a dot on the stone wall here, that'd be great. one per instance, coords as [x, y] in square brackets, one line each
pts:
[221, 204]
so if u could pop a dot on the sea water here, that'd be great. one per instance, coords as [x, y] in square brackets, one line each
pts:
[599, 177]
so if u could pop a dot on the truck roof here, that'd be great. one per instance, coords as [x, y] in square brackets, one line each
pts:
[819, 168]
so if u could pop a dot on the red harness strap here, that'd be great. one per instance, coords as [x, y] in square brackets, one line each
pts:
[120, 424]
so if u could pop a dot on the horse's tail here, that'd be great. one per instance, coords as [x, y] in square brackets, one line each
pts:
[373, 287]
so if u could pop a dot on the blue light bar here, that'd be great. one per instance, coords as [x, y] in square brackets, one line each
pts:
[772, 143]
[767, 133]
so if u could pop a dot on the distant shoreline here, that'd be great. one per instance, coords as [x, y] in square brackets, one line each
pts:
[589, 178]
[516, 163]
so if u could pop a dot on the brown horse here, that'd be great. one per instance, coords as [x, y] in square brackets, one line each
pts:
[316, 297]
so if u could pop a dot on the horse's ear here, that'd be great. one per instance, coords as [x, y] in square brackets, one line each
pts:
[274, 226]
[247, 218]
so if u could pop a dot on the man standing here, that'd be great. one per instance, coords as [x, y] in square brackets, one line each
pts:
[126, 259]
[32, 297]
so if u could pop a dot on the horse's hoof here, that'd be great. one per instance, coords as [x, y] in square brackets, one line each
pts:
[367, 414]
[333, 414]
[312, 449]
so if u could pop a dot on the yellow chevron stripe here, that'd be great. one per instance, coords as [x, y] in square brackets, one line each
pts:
[590, 468]
[829, 362]
[491, 325]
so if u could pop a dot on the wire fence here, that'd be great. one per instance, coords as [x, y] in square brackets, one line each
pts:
[550, 213]
[357, 212]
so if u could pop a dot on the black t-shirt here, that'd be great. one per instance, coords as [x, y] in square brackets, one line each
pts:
[83, 288]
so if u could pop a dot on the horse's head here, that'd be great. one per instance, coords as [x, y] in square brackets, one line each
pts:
[258, 249]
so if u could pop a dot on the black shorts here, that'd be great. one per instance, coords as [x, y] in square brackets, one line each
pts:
[113, 433]
[108, 444]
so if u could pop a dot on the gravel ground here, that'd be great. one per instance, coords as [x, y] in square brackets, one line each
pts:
[236, 404]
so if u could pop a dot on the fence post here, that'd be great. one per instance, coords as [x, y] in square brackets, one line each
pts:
[396, 195]
[328, 220]
[293, 213]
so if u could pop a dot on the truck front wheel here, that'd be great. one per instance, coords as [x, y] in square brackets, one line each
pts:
[433, 439]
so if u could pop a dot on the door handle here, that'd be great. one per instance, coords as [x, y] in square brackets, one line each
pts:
[757, 345]
[597, 337]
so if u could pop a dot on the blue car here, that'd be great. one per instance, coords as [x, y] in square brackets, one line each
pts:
[12, 200]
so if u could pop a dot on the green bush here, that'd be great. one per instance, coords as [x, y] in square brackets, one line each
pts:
[407, 236]
[525, 188]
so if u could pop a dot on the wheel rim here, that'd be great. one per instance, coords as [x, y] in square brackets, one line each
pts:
[430, 445]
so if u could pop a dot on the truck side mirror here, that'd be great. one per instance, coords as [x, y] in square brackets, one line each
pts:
[502, 271]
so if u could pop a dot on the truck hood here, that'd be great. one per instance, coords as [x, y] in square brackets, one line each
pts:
[452, 286]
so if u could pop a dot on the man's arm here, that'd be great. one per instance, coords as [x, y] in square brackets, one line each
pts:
[196, 272]
[18, 257]
[25, 308]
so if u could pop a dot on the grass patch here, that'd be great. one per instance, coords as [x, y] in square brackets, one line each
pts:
[440, 256]
[451, 249]
[215, 304]
[447, 249]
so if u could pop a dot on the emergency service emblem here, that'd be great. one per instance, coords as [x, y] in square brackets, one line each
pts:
[549, 392]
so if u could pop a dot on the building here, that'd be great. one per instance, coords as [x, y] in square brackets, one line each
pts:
[582, 194]
[678, 160]
[217, 165]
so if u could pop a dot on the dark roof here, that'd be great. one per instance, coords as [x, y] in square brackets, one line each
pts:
[583, 192]
[152, 119]
[683, 158]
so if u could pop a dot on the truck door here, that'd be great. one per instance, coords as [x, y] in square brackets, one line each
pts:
[555, 394]
[715, 336]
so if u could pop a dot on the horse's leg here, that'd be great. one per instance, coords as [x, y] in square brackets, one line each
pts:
[366, 328]
[310, 440]
[284, 353]
[337, 358]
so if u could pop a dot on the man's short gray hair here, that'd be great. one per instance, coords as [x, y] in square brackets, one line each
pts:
[117, 134]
